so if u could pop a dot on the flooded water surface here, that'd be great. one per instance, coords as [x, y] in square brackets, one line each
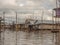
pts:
[26, 38]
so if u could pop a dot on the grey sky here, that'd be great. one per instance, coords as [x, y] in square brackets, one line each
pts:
[28, 7]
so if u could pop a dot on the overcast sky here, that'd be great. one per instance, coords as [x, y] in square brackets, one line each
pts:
[27, 9]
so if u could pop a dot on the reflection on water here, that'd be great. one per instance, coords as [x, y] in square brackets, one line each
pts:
[27, 38]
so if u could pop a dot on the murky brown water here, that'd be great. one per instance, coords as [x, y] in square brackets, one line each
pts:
[27, 38]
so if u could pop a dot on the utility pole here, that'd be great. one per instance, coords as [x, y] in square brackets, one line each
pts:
[0, 29]
[57, 17]
[16, 28]
[16, 22]
[3, 27]
[42, 19]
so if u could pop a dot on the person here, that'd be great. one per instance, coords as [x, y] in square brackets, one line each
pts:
[30, 27]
